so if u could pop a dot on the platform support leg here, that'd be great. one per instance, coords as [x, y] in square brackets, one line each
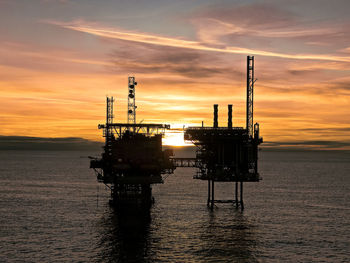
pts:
[241, 201]
[236, 194]
[208, 201]
[212, 194]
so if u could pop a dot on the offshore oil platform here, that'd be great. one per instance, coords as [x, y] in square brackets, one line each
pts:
[133, 158]
[228, 154]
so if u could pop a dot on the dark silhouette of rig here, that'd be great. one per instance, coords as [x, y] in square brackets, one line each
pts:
[227, 154]
[133, 158]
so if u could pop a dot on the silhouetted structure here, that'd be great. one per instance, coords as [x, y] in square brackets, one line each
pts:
[227, 154]
[133, 158]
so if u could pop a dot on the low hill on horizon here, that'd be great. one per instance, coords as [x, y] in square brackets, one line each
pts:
[81, 144]
[42, 143]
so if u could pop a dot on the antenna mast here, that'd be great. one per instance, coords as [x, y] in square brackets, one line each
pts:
[131, 101]
[109, 122]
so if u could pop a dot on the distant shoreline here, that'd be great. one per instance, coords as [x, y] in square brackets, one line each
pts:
[27, 143]
[48, 144]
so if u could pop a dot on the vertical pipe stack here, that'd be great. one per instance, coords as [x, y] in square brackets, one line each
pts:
[229, 121]
[216, 116]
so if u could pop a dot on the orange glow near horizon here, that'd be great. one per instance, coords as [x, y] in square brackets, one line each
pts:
[175, 138]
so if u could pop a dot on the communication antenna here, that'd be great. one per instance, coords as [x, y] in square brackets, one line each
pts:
[131, 101]
[108, 128]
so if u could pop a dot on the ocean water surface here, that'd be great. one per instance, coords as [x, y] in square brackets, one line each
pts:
[53, 210]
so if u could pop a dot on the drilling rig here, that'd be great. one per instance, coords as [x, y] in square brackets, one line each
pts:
[133, 158]
[226, 154]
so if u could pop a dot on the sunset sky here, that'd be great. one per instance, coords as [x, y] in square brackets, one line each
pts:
[60, 58]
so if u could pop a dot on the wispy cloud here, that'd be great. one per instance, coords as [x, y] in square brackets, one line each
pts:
[190, 63]
[36, 55]
[183, 43]
[262, 19]
[211, 29]
[345, 50]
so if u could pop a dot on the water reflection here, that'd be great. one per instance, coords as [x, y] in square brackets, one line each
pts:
[222, 235]
[124, 237]
[229, 235]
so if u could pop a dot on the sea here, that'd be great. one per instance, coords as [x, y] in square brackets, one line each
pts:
[52, 209]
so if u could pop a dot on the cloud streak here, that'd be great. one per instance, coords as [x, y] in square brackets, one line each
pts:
[187, 44]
